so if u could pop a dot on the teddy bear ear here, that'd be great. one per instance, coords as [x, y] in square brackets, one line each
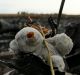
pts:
[62, 43]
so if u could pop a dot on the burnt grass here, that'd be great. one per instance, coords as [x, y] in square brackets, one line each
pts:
[42, 19]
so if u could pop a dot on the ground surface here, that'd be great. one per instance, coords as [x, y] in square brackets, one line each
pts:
[5, 38]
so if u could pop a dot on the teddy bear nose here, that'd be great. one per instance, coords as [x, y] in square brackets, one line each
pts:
[30, 35]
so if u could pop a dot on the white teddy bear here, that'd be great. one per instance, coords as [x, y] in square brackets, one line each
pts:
[31, 40]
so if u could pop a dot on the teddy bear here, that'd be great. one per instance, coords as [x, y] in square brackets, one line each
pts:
[30, 40]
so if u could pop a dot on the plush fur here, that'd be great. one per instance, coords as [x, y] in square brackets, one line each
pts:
[59, 46]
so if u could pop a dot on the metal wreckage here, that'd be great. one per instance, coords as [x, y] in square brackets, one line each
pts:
[29, 64]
